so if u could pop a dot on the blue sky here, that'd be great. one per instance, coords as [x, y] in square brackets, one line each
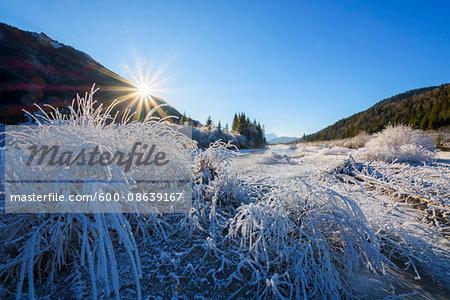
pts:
[294, 66]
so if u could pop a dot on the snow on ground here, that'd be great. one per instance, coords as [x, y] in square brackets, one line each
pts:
[428, 249]
[310, 222]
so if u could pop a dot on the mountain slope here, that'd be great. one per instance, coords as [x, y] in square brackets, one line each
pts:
[425, 108]
[282, 140]
[36, 69]
[270, 136]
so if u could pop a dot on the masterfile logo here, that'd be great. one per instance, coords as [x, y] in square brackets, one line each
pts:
[55, 168]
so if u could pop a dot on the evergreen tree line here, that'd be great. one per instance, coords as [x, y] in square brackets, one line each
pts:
[423, 109]
[243, 132]
[252, 131]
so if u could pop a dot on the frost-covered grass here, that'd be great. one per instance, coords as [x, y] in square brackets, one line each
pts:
[295, 240]
[37, 248]
[293, 225]
[310, 237]
[424, 187]
[408, 206]
[399, 143]
[405, 204]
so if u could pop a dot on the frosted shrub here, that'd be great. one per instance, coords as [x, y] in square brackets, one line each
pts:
[265, 229]
[215, 181]
[399, 143]
[38, 247]
[305, 241]
[214, 159]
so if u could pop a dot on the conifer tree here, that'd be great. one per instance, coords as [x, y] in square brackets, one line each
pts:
[234, 126]
[209, 123]
[219, 128]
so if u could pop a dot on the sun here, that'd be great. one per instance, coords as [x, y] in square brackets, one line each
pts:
[144, 90]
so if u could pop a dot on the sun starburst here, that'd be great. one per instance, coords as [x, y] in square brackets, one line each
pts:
[140, 95]
[144, 90]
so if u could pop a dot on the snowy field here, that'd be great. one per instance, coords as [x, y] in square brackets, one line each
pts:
[378, 243]
[292, 223]
[381, 194]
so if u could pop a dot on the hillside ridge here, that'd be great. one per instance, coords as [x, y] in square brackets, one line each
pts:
[423, 108]
[34, 68]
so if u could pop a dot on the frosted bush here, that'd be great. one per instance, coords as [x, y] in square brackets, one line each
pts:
[306, 242]
[215, 182]
[214, 159]
[39, 247]
[399, 143]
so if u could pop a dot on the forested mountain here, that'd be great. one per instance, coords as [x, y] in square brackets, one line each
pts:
[37, 69]
[425, 108]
